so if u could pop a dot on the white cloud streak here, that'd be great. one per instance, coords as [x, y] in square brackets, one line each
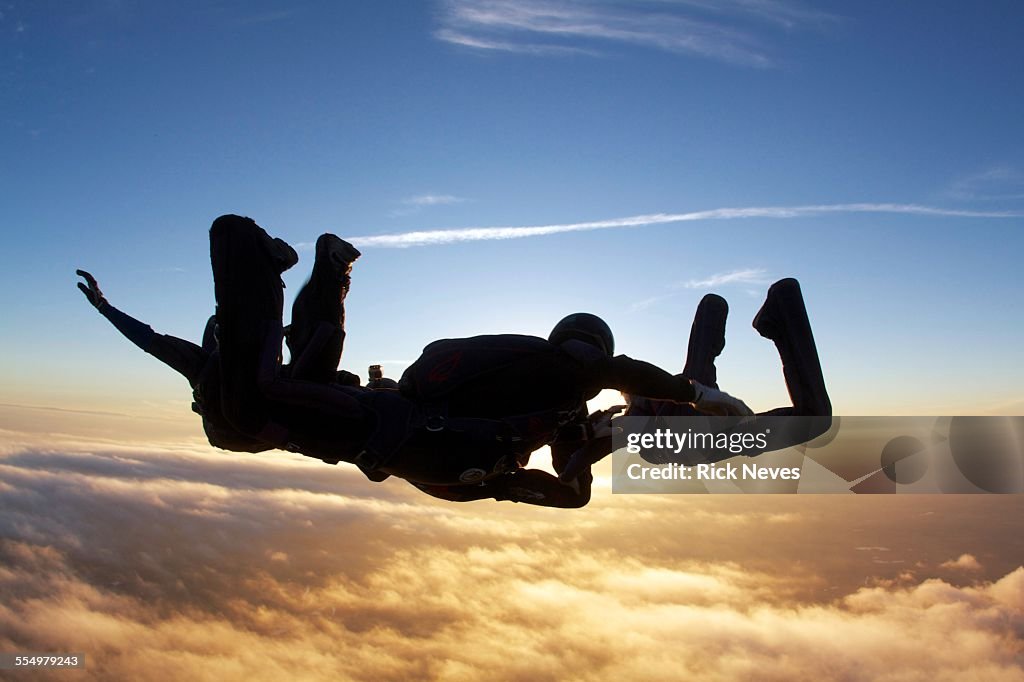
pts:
[745, 276]
[748, 276]
[472, 234]
[785, 14]
[476, 42]
[415, 204]
[432, 200]
[1000, 183]
[690, 27]
[646, 303]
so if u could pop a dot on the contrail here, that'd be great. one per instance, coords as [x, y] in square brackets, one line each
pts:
[473, 234]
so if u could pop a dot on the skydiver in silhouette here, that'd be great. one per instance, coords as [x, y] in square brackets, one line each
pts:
[783, 320]
[471, 442]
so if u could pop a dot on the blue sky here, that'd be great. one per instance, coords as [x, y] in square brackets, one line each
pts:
[128, 126]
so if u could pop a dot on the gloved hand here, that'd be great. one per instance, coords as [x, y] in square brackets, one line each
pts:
[92, 291]
[717, 402]
[598, 445]
[601, 421]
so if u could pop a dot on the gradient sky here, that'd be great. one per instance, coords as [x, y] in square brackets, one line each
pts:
[128, 126]
[639, 155]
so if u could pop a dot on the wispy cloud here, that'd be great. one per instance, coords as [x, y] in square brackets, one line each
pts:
[432, 200]
[470, 234]
[414, 204]
[48, 408]
[746, 277]
[459, 38]
[646, 303]
[997, 183]
[713, 30]
[789, 15]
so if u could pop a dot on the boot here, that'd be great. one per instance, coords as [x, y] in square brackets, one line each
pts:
[783, 320]
[707, 340]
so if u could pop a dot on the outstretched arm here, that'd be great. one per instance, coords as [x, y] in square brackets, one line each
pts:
[531, 486]
[182, 356]
[636, 377]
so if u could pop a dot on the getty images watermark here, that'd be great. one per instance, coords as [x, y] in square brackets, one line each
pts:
[779, 454]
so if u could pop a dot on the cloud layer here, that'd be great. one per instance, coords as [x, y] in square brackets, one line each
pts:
[172, 563]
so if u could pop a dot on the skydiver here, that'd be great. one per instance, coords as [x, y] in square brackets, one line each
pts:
[313, 338]
[478, 444]
[469, 411]
[783, 320]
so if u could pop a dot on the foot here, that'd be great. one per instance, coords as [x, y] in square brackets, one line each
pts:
[335, 253]
[282, 253]
[770, 321]
[242, 228]
[707, 340]
[783, 320]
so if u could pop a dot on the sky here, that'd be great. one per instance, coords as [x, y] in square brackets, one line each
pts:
[129, 127]
[501, 165]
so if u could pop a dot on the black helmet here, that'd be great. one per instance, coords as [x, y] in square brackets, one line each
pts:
[584, 327]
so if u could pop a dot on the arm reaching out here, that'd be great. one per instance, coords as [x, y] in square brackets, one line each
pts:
[531, 486]
[139, 333]
[718, 403]
[182, 356]
[636, 377]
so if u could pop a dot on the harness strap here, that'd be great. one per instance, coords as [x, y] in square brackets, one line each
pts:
[396, 420]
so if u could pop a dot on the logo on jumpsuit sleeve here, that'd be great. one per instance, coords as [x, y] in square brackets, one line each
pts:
[442, 370]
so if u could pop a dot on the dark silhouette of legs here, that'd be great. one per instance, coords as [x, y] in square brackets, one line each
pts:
[783, 320]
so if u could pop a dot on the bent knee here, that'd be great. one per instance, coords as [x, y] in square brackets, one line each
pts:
[231, 223]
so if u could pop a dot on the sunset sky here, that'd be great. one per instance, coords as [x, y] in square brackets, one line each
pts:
[502, 164]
